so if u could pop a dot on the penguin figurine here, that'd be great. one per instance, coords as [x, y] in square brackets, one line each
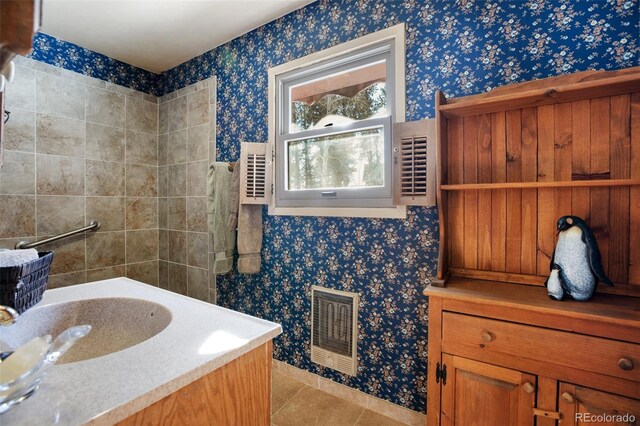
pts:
[575, 263]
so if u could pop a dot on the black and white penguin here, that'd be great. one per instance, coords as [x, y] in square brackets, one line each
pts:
[575, 263]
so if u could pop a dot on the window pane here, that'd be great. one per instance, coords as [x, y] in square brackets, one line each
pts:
[345, 160]
[353, 95]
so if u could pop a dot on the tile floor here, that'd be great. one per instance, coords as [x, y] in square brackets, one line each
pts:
[297, 404]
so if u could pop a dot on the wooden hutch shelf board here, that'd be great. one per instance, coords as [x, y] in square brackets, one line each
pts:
[528, 185]
[536, 280]
[620, 312]
[590, 84]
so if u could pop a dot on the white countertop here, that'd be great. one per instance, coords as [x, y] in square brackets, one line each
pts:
[101, 391]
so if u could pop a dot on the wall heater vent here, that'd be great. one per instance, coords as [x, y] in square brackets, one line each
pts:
[334, 329]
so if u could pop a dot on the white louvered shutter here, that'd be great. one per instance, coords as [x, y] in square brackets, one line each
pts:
[414, 163]
[255, 173]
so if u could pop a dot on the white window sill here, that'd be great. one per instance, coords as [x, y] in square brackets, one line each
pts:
[399, 212]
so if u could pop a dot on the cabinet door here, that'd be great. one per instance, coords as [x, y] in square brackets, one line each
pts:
[482, 394]
[19, 21]
[580, 405]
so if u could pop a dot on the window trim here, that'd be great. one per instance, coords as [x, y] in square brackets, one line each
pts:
[395, 34]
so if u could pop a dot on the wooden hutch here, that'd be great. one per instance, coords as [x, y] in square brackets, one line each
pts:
[511, 162]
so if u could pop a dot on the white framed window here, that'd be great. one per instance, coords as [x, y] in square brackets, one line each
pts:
[330, 128]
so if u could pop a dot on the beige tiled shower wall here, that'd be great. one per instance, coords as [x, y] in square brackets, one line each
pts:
[186, 146]
[81, 149]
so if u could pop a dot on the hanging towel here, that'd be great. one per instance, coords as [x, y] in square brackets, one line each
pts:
[218, 210]
[248, 219]
[17, 257]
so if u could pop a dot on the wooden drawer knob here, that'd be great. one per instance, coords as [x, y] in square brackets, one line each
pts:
[567, 397]
[626, 364]
[487, 336]
[528, 387]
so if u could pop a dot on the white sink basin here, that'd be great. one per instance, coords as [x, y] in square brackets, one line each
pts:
[116, 323]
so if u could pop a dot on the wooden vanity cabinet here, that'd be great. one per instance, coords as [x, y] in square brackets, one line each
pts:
[19, 21]
[238, 393]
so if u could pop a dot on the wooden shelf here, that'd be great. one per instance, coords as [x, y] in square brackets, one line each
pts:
[619, 312]
[554, 90]
[534, 185]
[534, 280]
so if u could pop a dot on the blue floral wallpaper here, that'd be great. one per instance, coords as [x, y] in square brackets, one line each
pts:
[63, 54]
[459, 46]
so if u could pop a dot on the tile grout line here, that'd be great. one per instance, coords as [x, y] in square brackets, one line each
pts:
[35, 154]
[213, 107]
[361, 414]
[415, 417]
[211, 276]
[126, 99]
[157, 190]
[84, 199]
[290, 399]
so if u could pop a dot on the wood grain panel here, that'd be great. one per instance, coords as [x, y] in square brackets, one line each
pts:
[634, 193]
[434, 358]
[238, 393]
[514, 196]
[600, 153]
[456, 174]
[19, 21]
[546, 173]
[546, 399]
[470, 159]
[498, 197]
[484, 197]
[562, 158]
[528, 248]
[581, 158]
[619, 197]
[442, 199]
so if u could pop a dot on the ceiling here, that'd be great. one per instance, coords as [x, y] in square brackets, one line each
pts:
[158, 34]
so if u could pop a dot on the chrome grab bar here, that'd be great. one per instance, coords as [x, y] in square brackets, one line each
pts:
[93, 225]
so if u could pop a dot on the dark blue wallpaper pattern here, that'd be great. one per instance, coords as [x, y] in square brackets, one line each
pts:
[461, 47]
[63, 54]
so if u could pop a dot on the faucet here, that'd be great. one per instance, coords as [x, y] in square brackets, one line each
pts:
[8, 315]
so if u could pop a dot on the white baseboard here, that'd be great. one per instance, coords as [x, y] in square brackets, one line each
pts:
[370, 402]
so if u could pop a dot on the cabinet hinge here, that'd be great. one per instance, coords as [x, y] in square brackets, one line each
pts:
[441, 373]
[271, 189]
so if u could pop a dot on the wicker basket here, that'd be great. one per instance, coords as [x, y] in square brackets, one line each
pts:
[22, 286]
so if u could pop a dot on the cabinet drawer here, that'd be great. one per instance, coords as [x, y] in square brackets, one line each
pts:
[604, 356]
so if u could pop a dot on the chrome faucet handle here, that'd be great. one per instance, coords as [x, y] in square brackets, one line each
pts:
[8, 315]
